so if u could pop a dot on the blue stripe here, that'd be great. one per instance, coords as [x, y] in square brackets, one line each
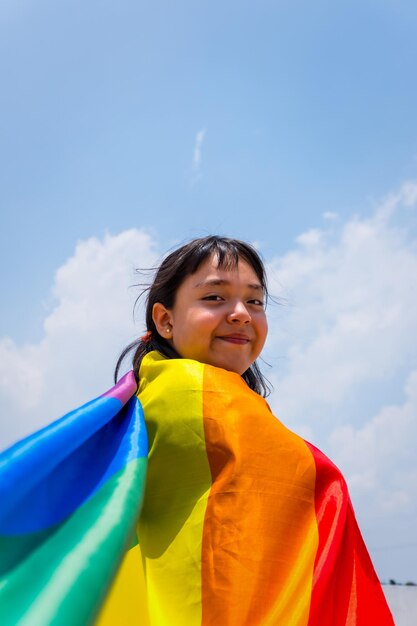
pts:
[44, 478]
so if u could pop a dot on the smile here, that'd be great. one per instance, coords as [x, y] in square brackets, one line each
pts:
[240, 340]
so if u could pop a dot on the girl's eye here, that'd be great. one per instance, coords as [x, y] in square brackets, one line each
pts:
[257, 302]
[213, 298]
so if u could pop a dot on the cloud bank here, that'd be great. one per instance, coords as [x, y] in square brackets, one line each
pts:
[343, 349]
[89, 324]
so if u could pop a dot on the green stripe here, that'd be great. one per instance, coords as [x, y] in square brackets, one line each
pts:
[14, 550]
[65, 576]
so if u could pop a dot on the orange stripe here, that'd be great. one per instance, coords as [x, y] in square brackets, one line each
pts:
[260, 531]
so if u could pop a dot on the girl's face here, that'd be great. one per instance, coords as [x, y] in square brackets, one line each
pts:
[218, 317]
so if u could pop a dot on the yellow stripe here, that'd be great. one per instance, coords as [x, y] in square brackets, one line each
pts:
[126, 603]
[179, 480]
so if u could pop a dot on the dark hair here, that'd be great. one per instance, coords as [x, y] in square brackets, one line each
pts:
[173, 270]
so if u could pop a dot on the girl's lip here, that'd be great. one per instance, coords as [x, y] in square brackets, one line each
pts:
[238, 339]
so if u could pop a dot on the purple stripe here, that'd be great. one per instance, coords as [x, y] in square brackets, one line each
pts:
[124, 389]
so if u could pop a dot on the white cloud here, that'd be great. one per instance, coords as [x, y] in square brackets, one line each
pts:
[344, 350]
[199, 138]
[330, 216]
[83, 334]
[382, 467]
[353, 314]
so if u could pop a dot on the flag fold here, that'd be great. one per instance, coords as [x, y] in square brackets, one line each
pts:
[70, 496]
[243, 523]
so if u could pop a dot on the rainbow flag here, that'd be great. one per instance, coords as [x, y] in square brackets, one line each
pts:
[70, 496]
[243, 522]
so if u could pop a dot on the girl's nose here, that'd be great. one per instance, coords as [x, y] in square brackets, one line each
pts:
[239, 314]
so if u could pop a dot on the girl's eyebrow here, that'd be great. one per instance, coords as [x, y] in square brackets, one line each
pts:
[216, 282]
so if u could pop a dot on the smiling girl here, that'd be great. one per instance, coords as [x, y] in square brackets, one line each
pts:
[243, 522]
[207, 303]
[218, 316]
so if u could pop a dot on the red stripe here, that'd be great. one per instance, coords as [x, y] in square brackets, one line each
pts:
[346, 590]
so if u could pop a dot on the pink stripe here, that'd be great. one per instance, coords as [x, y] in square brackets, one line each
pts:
[124, 389]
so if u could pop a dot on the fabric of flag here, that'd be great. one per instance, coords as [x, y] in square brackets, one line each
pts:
[243, 522]
[70, 497]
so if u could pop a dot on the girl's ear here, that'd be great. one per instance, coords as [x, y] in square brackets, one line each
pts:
[162, 319]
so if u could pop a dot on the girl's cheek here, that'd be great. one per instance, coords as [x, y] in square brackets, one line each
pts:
[209, 315]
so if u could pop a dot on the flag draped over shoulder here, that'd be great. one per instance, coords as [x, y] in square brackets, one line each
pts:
[70, 496]
[243, 523]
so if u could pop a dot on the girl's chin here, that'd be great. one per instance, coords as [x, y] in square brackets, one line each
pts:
[229, 366]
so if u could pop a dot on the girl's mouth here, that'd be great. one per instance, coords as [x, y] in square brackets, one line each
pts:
[237, 339]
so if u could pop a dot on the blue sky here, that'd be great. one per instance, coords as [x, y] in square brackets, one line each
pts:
[128, 127]
[308, 107]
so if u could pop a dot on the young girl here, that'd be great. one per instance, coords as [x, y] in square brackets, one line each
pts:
[242, 523]
[193, 285]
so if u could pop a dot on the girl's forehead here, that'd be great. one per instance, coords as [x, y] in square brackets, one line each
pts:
[228, 271]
